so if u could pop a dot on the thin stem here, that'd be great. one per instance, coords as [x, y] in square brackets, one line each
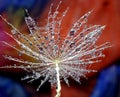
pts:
[58, 90]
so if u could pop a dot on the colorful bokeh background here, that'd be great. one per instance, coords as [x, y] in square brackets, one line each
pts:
[104, 83]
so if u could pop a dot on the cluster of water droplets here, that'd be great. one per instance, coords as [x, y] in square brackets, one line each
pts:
[73, 55]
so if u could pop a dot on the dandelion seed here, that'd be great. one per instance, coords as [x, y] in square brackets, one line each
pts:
[56, 61]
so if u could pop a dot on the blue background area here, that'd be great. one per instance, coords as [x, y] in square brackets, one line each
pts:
[9, 88]
[108, 83]
[36, 5]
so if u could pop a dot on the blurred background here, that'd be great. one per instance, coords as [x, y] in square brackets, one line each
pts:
[104, 83]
